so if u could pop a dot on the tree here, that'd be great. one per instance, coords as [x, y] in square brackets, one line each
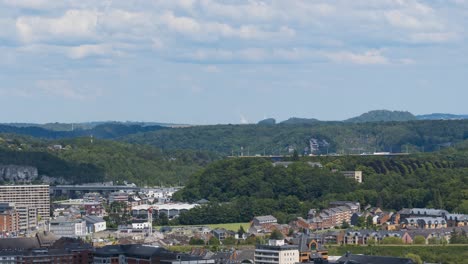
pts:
[214, 241]
[241, 231]
[276, 235]
[345, 225]
[419, 240]
[196, 241]
[416, 258]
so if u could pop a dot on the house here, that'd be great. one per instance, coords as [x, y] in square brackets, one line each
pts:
[457, 220]
[424, 222]
[94, 224]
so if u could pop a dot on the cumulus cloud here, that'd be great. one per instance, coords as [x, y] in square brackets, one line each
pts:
[250, 31]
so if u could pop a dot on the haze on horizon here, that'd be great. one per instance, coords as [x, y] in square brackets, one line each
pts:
[209, 62]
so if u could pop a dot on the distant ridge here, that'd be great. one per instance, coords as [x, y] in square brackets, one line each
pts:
[382, 116]
[299, 121]
[441, 116]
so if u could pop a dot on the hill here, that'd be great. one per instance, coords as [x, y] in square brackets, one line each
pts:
[439, 116]
[83, 160]
[299, 121]
[104, 131]
[332, 137]
[249, 187]
[382, 116]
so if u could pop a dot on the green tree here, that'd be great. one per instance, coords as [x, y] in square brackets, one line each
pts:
[415, 258]
[419, 240]
[196, 241]
[276, 234]
[214, 241]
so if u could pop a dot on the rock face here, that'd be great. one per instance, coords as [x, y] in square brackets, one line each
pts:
[18, 174]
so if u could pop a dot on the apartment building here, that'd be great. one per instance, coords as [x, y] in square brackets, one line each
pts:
[276, 252]
[9, 218]
[32, 202]
[37, 196]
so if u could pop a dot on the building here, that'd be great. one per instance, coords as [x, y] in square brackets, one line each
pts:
[276, 252]
[44, 248]
[118, 197]
[171, 210]
[142, 254]
[94, 224]
[63, 227]
[264, 220]
[330, 217]
[355, 175]
[93, 208]
[31, 201]
[9, 219]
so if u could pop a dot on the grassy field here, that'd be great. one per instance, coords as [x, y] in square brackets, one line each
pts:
[449, 254]
[230, 226]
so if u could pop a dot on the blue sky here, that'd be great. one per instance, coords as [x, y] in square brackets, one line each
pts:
[209, 62]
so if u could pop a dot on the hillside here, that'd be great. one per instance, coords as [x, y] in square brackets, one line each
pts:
[382, 116]
[103, 131]
[256, 187]
[80, 160]
[355, 138]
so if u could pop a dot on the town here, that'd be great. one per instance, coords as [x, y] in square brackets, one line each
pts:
[104, 223]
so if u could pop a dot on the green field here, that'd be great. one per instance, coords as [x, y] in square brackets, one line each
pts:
[449, 254]
[231, 226]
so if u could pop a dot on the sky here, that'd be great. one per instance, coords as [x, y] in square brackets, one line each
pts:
[220, 61]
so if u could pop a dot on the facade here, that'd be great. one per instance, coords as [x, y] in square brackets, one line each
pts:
[276, 252]
[62, 227]
[329, 218]
[95, 224]
[356, 175]
[118, 197]
[31, 201]
[264, 220]
[93, 208]
[9, 219]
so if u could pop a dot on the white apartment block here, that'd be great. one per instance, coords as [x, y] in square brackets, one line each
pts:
[276, 252]
[31, 201]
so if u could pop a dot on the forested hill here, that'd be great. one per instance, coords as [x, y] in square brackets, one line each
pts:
[83, 160]
[332, 137]
[254, 186]
[104, 131]
[382, 116]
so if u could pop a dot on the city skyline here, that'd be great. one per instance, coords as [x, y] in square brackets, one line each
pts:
[210, 62]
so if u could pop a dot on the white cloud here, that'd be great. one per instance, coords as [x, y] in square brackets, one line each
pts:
[368, 57]
[83, 51]
[79, 24]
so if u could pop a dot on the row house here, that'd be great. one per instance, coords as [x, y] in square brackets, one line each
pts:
[424, 222]
[365, 237]
[329, 218]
